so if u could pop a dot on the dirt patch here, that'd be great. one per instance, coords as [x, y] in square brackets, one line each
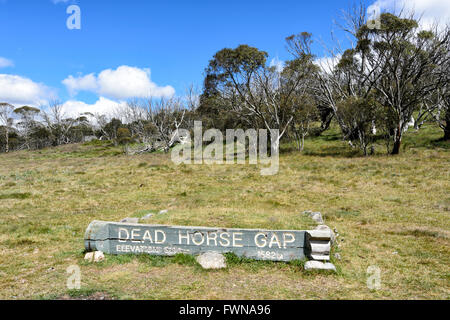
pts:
[93, 296]
[421, 232]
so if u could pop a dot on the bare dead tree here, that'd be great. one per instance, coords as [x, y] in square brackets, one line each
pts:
[138, 118]
[167, 115]
[57, 122]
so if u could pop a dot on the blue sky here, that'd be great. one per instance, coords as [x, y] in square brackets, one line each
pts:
[165, 44]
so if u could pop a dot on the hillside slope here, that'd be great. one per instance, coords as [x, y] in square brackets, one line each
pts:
[390, 212]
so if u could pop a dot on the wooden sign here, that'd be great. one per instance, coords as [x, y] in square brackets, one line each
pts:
[277, 245]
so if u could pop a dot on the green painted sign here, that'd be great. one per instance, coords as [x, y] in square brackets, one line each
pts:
[128, 238]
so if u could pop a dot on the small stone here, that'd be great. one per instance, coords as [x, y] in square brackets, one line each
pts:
[211, 260]
[89, 256]
[337, 256]
[98, 256]
[317, 217]
[36, 251]
[395, 252]
[163, 211]
[147, 216]
[130, 220]
[95, 256]
[317, 265]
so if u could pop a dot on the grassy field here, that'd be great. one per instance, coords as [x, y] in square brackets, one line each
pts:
[390, 212]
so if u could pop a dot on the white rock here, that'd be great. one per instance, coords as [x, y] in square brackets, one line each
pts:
[98, 256]
[147, 216]
[317, 265]
[130, 220]
[211, 260]
[95, 256]
[317, 217]
[163, 211]
[89, 256]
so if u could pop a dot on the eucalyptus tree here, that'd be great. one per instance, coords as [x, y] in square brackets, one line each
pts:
[438, 102]
[393, 64]
[339, 86]
[27, 122]
[6, 112]
[327, 84]
[305, 115]
[442, 112]
[261, 96]
[231, 77]
[399, 61]
[389, 70]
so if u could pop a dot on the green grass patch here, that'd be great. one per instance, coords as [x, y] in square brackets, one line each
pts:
[15, 195]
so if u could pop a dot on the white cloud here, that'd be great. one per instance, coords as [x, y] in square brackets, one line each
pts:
[277, 63]
[85, 83]
[74, 108]
[121, 83]
[6, 63]
[327, 64]
[430, 11]
[19, 91]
